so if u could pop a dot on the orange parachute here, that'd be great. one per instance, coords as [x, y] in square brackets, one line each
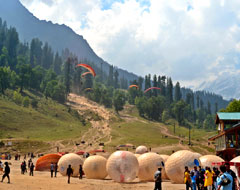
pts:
[43, 163]
[84, 74]
[133, 85]
[152, 88]
[88, 67]
[88, 89]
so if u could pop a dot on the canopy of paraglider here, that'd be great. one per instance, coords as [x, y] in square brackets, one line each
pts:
[156, 88]
[88, 67]
[133, 85]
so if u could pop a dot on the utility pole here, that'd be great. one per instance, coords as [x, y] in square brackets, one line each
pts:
[174, 128]
[189, 137]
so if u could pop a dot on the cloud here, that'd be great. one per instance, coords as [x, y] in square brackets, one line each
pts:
[190, 40]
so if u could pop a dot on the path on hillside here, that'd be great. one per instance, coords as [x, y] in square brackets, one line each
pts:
[100, 130]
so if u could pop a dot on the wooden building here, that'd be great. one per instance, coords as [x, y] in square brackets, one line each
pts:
[227, 141]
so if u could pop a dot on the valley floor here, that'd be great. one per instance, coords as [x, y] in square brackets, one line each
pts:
[43, 181]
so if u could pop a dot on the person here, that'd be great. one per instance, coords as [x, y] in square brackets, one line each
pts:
[29, 163]
[215, 175]
[187, 179]
[52, 169]
[55, 169]
[225, 180]
[193, 179]
[23, 167]
[1, 167]
[158, 179]
[80, 172]
[69, 172]
[201, 177]
[232, 173]
[6, 172]
[208, 179]
[31, 169]
[197, 175]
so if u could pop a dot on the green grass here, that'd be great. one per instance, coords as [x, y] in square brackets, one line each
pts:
[138, 133]
[196, 134]
[50, 121]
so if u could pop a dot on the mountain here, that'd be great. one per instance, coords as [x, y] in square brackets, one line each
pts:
[227, 85]
[59, 37]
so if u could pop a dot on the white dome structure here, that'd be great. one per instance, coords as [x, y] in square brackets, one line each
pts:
[164, 174]
[175, 165]
[94, 167]
[207, 160]
[70, 159]
[141, 150]
[122, 166]
[148, 165]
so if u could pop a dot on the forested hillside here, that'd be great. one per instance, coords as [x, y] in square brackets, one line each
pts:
[35, 66]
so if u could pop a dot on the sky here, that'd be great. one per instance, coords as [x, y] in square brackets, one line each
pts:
[193, 41]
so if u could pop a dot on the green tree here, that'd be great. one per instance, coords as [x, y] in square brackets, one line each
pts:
[26, 101]
[140, 104]
[17, 97]
[177, 94]
[233, 106]
[178, 111]
[119, 100]
[116, 85]
[169, 91]
[4, 57]
[209, 122]
[67, 75]
[110, 76]
[5, 78]
[209, 108]
[24, 72]
[165, 116]
[49, 90]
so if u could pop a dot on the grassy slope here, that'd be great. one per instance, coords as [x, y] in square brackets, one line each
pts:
[142, 131]
[50, 121]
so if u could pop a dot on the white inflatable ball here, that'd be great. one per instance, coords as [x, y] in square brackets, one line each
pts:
[207, 160]
[94, 167]
[148, 165]
[70, 159]
[175, 165]
[164, 174]
[137, 155]
[234, 168]
[122, 166]
[141, 150]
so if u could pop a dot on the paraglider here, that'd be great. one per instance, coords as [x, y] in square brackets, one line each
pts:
[133, 85]
[88, 89]
[88, 67]
[84, 74]
[151, 89]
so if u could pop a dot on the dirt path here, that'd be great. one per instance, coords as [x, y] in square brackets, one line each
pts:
[100, 132]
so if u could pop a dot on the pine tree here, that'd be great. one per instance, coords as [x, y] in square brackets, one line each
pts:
[140, 82]
[116, 85]
[155, 84]
[169, 90]
[208, 108]
[216, 107]
[198, 102]
[110, 76]
[67, 75]
[177, 94]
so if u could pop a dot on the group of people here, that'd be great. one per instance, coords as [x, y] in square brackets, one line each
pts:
[207, 179]
[30, 167]
[70, 172]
